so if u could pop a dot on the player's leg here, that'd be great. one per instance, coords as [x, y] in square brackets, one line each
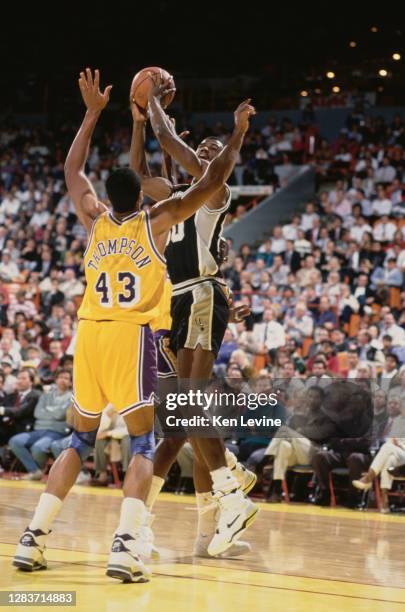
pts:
[128, 544]
[62, 476]
[235, 511]
[134, 363]
[89, 402]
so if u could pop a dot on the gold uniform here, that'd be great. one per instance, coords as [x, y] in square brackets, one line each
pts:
[115, 357]
[161, 326]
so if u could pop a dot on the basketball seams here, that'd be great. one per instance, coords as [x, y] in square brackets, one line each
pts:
[140, 82]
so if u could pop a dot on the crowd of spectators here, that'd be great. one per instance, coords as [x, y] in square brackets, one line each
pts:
[326, 290]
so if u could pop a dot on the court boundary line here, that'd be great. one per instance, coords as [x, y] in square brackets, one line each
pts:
[298, 508]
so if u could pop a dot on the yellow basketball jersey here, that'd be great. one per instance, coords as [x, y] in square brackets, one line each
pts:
[125, 272]
[163, 320]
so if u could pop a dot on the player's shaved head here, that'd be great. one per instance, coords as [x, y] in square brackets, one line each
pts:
[209, 148]
[123, 189]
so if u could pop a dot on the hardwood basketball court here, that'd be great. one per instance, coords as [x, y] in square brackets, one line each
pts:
[303, 558]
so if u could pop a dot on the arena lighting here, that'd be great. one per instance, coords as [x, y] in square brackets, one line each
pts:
[336, 89]
[304, 93]
[317, 90]
[396, 56]
[380, 88]
[382, 72]
[374, 29]
[330, 74]
[352, 44]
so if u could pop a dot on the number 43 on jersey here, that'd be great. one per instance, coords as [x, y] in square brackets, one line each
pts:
[126, 297]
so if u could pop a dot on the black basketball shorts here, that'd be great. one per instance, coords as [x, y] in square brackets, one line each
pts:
[199, 316]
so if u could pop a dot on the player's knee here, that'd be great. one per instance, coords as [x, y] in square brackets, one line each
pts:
[143, 445]
[83, 442]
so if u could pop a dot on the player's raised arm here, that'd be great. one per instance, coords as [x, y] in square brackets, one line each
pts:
[170, 212]
[169, 140]
[80, 188]
[157, 188]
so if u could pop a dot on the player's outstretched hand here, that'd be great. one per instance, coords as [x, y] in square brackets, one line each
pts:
[139, 114]
[243, 113]
[238, 313]
[90, 89]
[161, 87]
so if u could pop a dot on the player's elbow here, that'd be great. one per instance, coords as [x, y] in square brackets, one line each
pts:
[68, 171]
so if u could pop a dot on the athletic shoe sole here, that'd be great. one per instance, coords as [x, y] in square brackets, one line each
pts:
[249, 486]
[125, 575]
[28, 565]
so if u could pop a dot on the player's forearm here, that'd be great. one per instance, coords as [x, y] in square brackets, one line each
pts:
[222, 166]
[138, 161]
[159, 121]
[79, 151]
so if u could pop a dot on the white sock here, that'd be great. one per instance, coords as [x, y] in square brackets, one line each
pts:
[48, 507]
[206, 515]
[231, 459]
[132, 516]
[223, 481]
[155, 488]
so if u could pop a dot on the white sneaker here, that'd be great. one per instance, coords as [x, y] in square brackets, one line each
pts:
[29, 555]
[246, 479]
[124, 562]
[235, 550]
[237, 513]
[148, 549]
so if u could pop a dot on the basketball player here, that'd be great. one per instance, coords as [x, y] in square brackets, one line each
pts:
[199, 308]
[115, 359]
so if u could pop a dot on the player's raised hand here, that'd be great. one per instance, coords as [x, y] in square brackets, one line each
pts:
[161, 87]
[243, 113]
[94, 99]
[139, 114]
[238, 313]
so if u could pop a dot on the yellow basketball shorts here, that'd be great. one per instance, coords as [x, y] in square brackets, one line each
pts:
[114, 363]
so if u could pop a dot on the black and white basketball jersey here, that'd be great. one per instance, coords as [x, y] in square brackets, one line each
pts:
[192, 252]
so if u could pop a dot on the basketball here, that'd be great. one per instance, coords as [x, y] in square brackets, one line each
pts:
[142, 83]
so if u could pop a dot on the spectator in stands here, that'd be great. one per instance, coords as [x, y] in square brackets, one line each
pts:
[228, 346]
[17, 414]
[290, 447]
[353, 362]
[277, 241]
[390, 455]
[389, 371]
[32, 447]
[290, 230]
[279, 271]
[384, 230]
[349, 407]
[325, 315]
[21, 304]
[381, 205]
[300, 325]
[71, 286]
[269, 335]
[308, 274]
[10, 381]
[319, 376]
[390, 328]
[9, 269]
[386, 172]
